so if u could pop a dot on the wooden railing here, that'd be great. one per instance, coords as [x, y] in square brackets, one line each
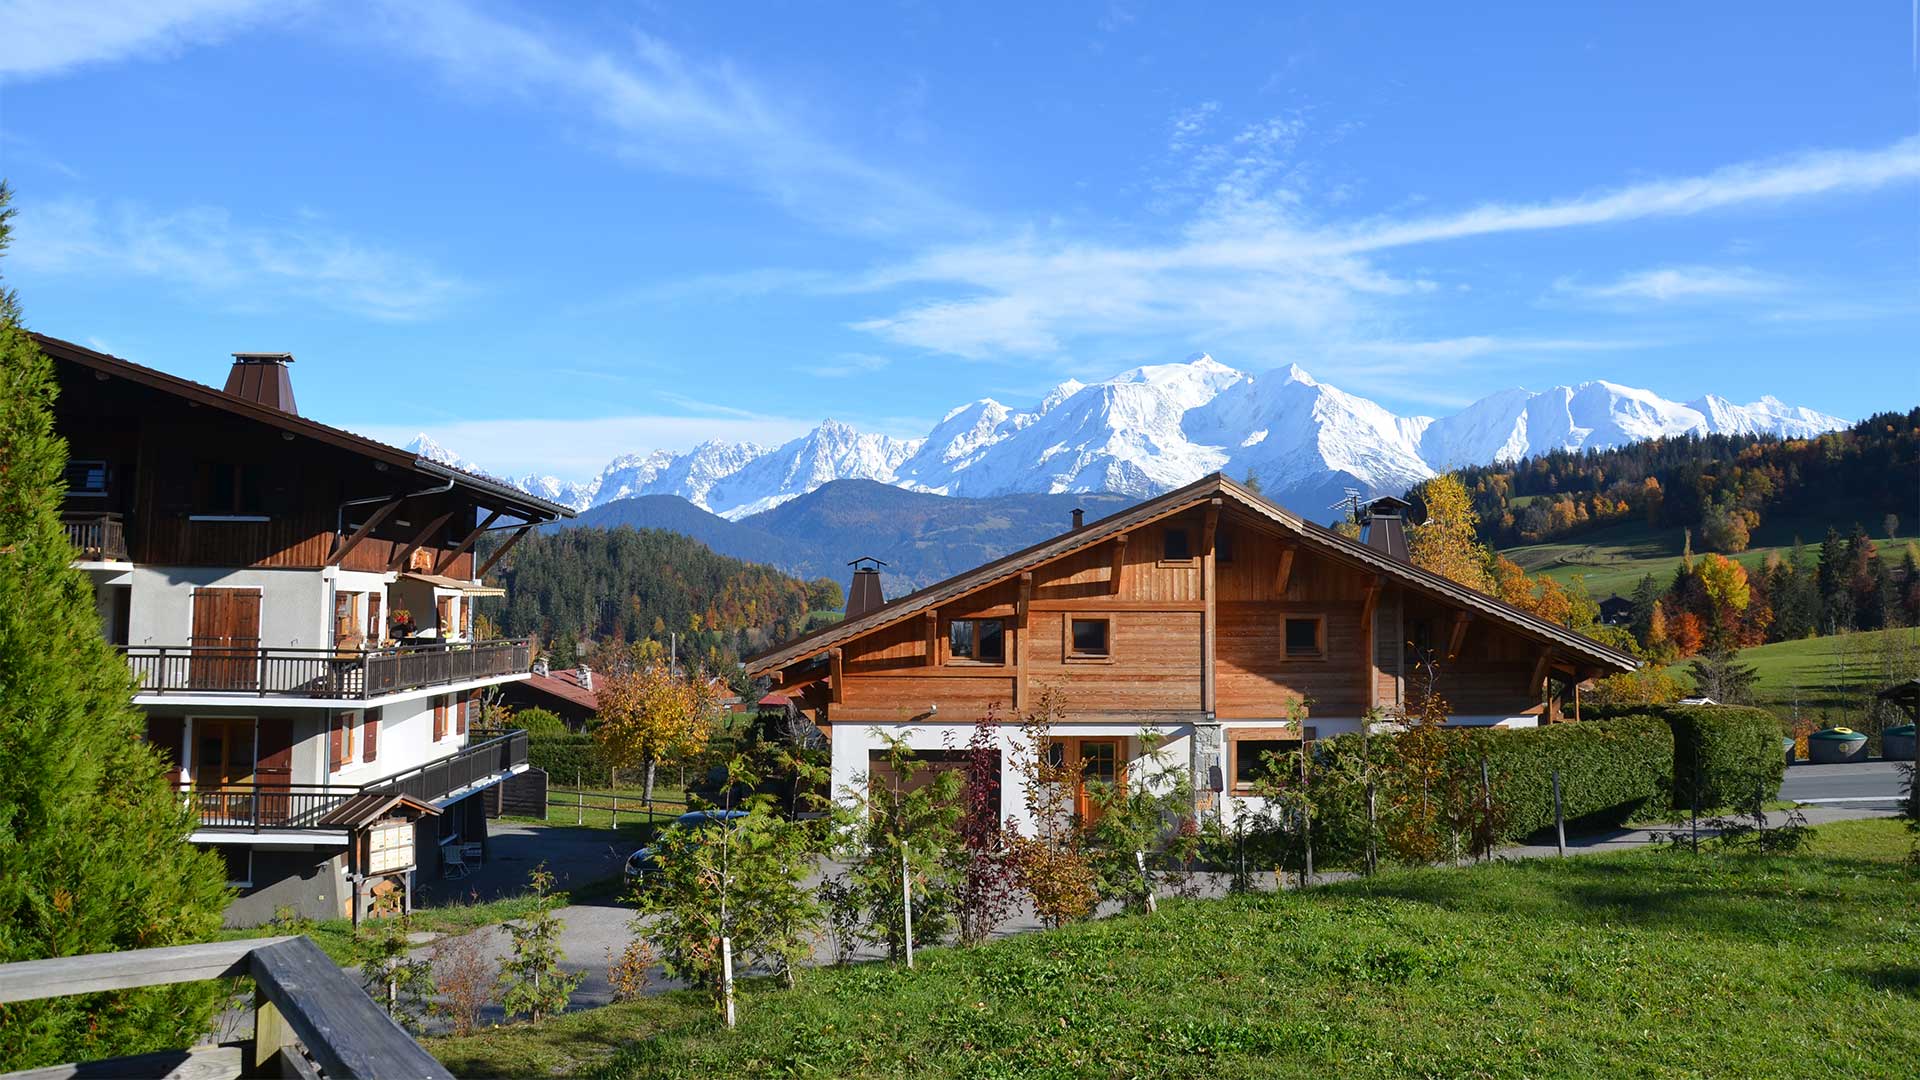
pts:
[344, 674]
[309, 1017]
[262, 807]
[99, 536]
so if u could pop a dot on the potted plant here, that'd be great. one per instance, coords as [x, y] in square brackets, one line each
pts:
[401, 623]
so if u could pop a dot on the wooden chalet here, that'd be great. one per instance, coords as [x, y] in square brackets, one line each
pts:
[298, 604]
[1224, 624]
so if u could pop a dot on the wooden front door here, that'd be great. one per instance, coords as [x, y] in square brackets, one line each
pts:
[225, 640]
[223, 757]
[1100, 759]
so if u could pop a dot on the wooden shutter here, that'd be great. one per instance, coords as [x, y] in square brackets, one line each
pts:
[465, 714]
[166, 733]
[336, 750]
[274, 769]
[376, 633]
[226, 631]
[370, 734]
[439, 718]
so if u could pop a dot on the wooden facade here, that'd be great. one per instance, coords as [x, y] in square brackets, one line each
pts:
[1208, 604]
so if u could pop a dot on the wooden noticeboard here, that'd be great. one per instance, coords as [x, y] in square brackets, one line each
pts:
[390, 847]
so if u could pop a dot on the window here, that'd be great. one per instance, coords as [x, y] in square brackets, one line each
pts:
[1177, 545]
[1419, 641]
[225, 490]
[1089, 639]
[86, 477]
[340, 745]
[1303, 637]
[239, 860]
[980, 640]
[1250, 757]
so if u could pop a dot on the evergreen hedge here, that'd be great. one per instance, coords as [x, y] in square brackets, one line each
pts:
[1725, 753]
[567, 758]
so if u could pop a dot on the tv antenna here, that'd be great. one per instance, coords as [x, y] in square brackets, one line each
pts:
[1349, 502]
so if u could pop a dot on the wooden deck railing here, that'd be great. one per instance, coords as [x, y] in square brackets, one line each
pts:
[99, 536]
[309, 1017]
[338, 674]
[266, 807]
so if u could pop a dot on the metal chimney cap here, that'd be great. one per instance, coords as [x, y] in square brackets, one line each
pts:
[264, 357]
[855, 563]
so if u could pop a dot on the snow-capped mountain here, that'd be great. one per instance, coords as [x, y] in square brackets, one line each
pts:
[1157, 427]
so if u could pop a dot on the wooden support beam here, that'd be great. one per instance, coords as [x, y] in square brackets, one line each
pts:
[1024, 601]
[933, 639]
[446, 561]
[1211, 526]
[1117, 576]
[1209, 612]
[1020, 636]
[342, 550]
[836, 675]
[1537, 682]
[433, 528]
[1459, 635]
[1284, 577]
[1369, 667]
[501, 551]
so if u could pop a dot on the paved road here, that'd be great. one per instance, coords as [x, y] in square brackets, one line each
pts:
[1868, 783]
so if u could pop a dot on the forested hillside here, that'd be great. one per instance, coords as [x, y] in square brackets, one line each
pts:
[1721, 487]
[627, 585]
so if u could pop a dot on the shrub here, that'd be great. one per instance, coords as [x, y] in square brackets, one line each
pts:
[532, 980]
[537, 721]
[1724, 754]
[567, 757]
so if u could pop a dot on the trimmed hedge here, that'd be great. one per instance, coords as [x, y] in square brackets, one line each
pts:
[1725, 753]
[1610, 772]
[566, 757]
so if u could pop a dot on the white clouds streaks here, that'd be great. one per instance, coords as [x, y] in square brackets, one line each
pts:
[47, 37]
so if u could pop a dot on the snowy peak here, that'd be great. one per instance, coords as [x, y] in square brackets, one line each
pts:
[1158, 426]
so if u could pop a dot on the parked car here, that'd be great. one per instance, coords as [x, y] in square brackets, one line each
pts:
[646, 861]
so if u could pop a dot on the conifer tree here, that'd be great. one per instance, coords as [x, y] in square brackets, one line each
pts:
[93, 841]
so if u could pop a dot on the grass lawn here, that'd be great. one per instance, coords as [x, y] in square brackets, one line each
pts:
[1614, 559]
[1647, 963]
[1837, 675]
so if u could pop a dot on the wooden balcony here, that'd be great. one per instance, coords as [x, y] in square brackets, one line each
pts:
[99, 537]
[268, 807]
[332, 674]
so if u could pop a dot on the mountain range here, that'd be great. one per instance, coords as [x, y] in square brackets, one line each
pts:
[1156, 427]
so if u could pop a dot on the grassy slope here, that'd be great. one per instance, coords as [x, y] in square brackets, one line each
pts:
[1645, 963]
[1836, 675]
[1614, 559]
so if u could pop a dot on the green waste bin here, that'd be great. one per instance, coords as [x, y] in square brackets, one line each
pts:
[1786, 744]
[1835, 746]
[1896, 743]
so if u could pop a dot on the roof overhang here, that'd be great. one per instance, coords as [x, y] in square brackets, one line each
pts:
[1577, 646]
[440, 581]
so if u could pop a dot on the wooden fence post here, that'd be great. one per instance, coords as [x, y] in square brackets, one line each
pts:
[906, 901]
[579, 798]
[613, 782]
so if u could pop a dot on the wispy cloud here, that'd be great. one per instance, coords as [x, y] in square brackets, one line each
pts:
[661, 108]
[47, 37]
[849, 364]
[1677, 283]
[576, 448]
[246, 266]
[1261, 264]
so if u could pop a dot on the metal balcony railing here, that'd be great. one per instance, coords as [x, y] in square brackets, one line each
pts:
[263, 807]
[338, 674]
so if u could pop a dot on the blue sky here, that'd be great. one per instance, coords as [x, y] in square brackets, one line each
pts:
[550, 233]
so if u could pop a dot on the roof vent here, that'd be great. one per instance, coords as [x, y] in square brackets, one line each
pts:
[864, 595]
[1386, 527]
[263, 378]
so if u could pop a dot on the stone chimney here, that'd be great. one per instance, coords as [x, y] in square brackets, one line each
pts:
[542, 667]
[1079, 519]
[1386, 527]
[263, 378]
[585, 676]
[864, 594]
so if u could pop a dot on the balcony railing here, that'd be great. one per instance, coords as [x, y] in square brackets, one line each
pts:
[338, 674]
[100, 537]
[261, 807]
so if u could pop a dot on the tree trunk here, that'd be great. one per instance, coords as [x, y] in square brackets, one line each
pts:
[646, 792]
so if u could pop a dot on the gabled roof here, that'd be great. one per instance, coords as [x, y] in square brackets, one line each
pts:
[529, 507]
[359, 811]
[1174, 502]
[564, 683]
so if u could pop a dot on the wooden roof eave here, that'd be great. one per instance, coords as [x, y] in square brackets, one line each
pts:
[489, 492]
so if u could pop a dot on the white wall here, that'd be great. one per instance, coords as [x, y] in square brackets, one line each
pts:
[295, 605]
[406, 742]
